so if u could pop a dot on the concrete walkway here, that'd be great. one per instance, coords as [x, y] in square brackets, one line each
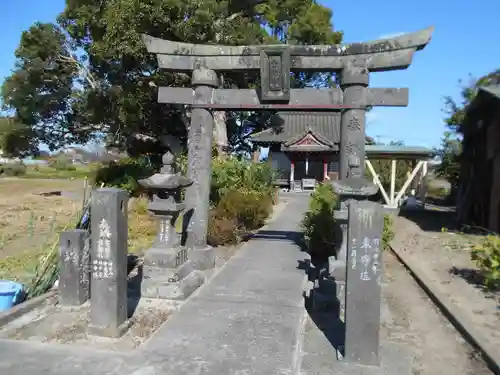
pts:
[246, 320]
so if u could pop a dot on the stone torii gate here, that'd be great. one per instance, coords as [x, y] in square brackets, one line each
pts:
[354, 62]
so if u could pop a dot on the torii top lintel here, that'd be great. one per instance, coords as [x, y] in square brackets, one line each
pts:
[377, 55]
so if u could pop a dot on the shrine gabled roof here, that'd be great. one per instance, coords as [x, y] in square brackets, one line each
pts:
[288, 127]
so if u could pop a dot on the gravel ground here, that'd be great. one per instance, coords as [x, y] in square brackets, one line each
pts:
[410, 317]
[444, 256]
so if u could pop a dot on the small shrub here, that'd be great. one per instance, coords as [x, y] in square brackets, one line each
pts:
[236, 174]
[388, 232]
[61, 164]
[486, 255]
[13, 170]
[124, 174]
[222, 231]
[318, 223]
[437, 192]
[249, 208]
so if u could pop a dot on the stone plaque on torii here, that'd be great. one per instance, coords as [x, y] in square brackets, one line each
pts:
[352, 98]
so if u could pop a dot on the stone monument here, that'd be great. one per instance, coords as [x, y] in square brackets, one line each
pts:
[108, 255]
[363, 287]
[74, 259]
[167, 273]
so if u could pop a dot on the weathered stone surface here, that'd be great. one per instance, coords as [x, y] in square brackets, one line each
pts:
[354, 187]
[200, 158]
[353, 81]
[390, 97]
[165, 257]
[164, 274]
[363, 287]
[74, 259]
[376, 62]
[202, 258]
[417, 40]
[108, 312]
[275, 74]
[299, 98]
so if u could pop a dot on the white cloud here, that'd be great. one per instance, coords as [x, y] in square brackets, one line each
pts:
[391, 35]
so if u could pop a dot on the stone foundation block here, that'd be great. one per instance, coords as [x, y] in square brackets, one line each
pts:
[202, 259]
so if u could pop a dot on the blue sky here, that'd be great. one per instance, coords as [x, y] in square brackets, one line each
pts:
[465, 42]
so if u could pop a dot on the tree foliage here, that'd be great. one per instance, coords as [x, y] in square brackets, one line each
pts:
[451, 145]
[89, 74]
[16, 140]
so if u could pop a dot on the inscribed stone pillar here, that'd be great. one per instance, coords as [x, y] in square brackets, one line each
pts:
[108, 297]
[354, 80]
[74, 260]
[363, 283]
[199, 167]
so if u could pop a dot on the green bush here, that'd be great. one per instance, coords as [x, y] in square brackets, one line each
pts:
[235, 174]
[232, 173]
[124, 174]
[318, 223]
[61, 164]
[13, 170]
[250, 209]
[486, 255]
[388, 232]
[437, 192]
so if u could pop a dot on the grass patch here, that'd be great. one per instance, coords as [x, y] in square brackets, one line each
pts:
[48, 172]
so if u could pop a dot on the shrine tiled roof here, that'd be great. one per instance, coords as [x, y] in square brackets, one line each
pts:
[288, 125]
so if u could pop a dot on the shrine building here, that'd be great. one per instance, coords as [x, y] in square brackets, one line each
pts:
[304, 149]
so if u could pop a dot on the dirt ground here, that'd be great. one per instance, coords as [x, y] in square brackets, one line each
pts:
[32, 212]
[410, 317]
[444, 256]
[50, 323]
[28, 218]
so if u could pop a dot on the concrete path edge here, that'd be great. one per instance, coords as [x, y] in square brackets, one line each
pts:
[24, 307]
[462, 323]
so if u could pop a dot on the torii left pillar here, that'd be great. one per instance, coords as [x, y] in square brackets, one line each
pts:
[200, 136]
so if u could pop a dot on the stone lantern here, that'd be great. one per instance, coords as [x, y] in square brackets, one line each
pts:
[167, 273]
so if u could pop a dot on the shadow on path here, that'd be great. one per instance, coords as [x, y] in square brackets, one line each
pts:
[477, 279]
[431, 219]
[280, 236]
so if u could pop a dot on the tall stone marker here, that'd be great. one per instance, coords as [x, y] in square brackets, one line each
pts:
[108, 297]
[74, 259]
[363, 284]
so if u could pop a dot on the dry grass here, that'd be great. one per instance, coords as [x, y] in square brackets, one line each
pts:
[141, 226]
[30, 223]
[28, 220]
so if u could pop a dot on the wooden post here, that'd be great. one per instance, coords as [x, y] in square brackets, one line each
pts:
[422, 188]
[393, 182]
[256, 155]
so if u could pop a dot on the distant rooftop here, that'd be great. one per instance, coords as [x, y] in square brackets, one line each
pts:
[398, 152]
